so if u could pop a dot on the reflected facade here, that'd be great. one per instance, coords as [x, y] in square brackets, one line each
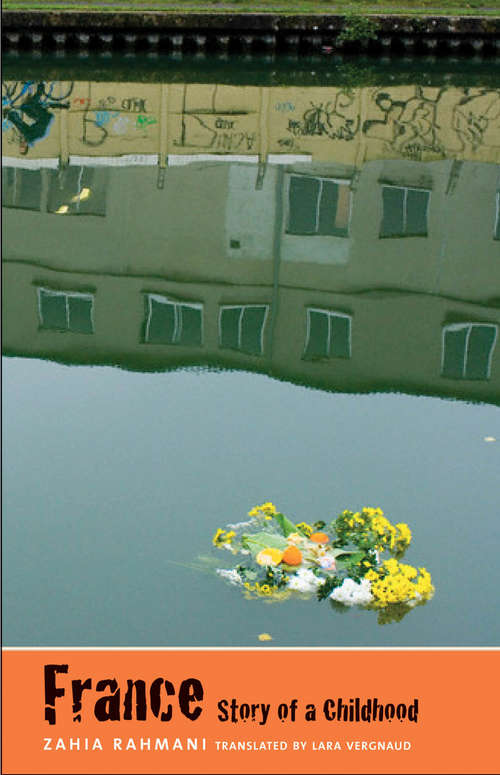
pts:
[345, 239]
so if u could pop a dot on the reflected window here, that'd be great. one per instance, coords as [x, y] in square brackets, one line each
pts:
[242, 327]
[169, 321]
[328, 335]
[21, 189]
[496, 230]
[66, 311]
[77, 191]
[404, 211]
[467, 350]
[318, 206]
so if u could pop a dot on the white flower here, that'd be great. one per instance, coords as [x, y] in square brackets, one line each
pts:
[304, 581]
[350, 593]
[238, 525]
[230, 575]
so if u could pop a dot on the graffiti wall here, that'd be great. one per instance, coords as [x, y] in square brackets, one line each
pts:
[351, 126]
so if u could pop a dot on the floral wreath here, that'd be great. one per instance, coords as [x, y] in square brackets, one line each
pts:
[341, 561]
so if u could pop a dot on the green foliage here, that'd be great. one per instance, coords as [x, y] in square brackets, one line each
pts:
[285, 524]
[277, 577]
[246, 573]
[339, 607]
[393, 613]
[328, 586]
[258, 541]
[351, 562]
[285, 7]
[419, 24]
[357, 28]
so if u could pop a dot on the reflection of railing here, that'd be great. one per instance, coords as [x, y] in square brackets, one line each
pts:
[174, 123]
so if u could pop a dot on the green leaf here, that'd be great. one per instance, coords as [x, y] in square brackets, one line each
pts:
[258, 541]
[341, 553]
[349, 557]
[285, 524]
[289, 568]
[348, 560]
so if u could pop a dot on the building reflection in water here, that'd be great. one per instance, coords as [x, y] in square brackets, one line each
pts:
[343, 239]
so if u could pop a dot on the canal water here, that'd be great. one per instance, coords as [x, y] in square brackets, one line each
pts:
[234, 282]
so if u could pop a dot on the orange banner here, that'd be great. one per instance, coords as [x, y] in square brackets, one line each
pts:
[316, 711]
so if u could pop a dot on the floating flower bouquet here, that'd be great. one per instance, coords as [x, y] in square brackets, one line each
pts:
[341, 561]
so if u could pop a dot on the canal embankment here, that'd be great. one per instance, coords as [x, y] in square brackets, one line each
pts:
[235, 33]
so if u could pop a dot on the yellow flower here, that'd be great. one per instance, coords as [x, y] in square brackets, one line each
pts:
[402, 537]
[222, 537]
[266, 510]
[305, 528]
[269, 556]
[399, 583]
[295, 538]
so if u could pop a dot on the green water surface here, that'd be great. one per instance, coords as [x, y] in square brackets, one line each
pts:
[195, 341]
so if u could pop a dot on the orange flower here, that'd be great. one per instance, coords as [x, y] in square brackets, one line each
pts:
[292, 556]
[319, 538]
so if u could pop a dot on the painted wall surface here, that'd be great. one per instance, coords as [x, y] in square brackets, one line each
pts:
[349, 125]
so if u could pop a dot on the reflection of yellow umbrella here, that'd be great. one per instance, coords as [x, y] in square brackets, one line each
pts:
[82, 196]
